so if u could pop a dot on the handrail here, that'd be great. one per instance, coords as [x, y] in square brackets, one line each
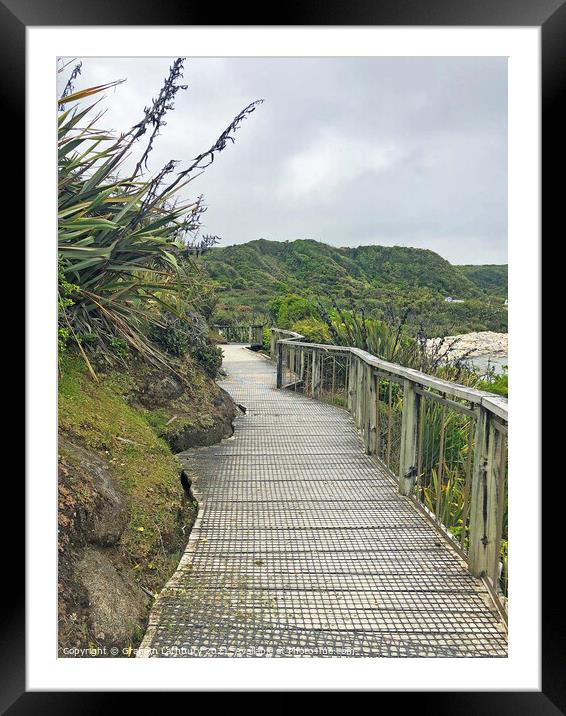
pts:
[251, 333]
[444, 443]
[491, 401]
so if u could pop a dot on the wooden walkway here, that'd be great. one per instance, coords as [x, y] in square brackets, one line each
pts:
[304, 547]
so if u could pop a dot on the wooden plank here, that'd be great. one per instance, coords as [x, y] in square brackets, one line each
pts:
[279, 347]
[497, 405]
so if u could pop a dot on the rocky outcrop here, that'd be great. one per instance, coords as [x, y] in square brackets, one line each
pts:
[192, 419]
[183, 435]
[99, 601]
[471, 345]
[117, 606]
[158, 390]
[105, 521]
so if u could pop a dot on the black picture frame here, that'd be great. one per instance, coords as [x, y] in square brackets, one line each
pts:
[550, 15]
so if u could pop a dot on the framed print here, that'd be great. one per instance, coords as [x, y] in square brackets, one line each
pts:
[270, 431]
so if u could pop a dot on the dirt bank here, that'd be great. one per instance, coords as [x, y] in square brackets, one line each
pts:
[124, 517]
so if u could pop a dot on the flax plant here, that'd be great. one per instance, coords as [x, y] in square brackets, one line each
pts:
[126, 242]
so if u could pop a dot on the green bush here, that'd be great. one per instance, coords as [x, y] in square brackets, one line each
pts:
[496, 384]
[88, 339]
[314, 330]
[65, 300]
[171, 335]
[267, 339]
[62, 338]
[210, 357]
[120, 348]
[286, 310]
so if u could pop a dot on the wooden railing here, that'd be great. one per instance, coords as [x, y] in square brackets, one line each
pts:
[243, 333]
[444, 444]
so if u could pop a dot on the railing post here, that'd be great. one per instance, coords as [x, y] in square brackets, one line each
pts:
[356, 375]
[292, 352]
[483, 499]
[315, 381]
[359, 393]
[350, 384]
[409, 439]
[354, 389]
[371, 444]
[279, 364]
[366, 405]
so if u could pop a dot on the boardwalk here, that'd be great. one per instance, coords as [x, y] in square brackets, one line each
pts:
[303, 547]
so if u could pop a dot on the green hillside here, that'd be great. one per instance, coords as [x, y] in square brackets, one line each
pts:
[375, 278]
[490, 278]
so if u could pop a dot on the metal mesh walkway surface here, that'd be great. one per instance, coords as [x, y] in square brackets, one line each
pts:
[303, 546]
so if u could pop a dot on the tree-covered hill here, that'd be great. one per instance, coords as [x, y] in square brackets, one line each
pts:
[490, 278]
[375, 278]
[301, 263]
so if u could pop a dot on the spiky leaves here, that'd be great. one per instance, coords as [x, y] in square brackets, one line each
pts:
[122, 239]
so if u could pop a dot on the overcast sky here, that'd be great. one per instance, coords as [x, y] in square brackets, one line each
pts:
[350, 151]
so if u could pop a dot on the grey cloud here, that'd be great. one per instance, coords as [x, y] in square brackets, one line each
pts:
[406, 151]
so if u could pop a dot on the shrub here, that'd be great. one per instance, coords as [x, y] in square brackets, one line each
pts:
[314, 330]
[120, 348]
[171, 334]
[66, 290]
[496, 384]
[286, 310]
[267, 339]
[210, 357]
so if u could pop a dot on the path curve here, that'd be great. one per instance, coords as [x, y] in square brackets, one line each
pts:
[303, 547]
